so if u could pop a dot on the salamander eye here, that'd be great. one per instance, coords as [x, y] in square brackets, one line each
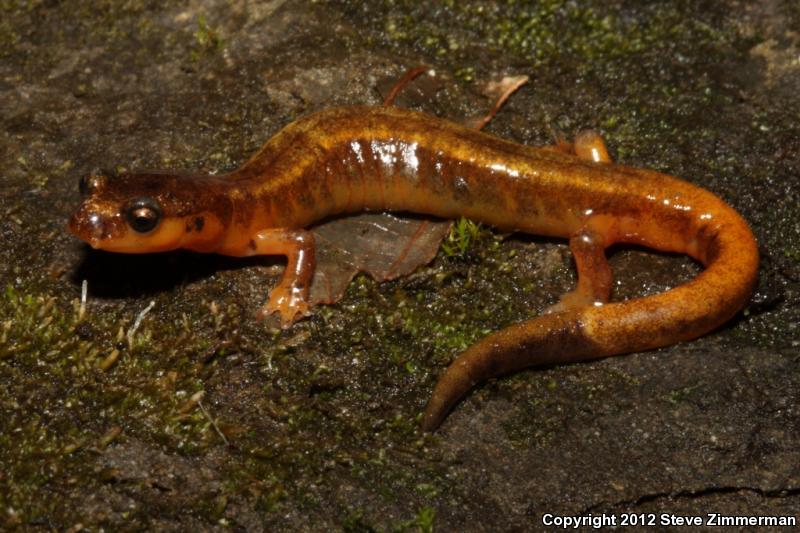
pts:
[143, 214]
[91, 182]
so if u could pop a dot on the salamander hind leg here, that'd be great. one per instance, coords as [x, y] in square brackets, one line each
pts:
[588, 145]
[290, 297]
[594, 275]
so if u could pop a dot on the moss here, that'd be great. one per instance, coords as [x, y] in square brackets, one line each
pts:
[207, 40]
[463, 233]
[63, 404]
[679, 396]
[590, 35]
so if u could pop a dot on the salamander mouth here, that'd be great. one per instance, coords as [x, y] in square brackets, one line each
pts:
[103, 227]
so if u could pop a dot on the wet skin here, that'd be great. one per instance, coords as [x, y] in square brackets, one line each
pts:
[352, 159]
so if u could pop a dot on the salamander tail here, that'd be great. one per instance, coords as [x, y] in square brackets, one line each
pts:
[546, 339]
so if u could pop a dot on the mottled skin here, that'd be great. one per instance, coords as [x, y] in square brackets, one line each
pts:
[352, 159]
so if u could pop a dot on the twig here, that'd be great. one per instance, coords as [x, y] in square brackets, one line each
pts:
[138, 322]
[214, 424]
[84, 293]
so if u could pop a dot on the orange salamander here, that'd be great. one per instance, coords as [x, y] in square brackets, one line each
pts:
[351, 159]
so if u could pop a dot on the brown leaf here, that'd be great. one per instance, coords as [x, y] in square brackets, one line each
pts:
[384, 246]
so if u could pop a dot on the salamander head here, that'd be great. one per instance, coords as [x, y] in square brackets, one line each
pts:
[140, 213]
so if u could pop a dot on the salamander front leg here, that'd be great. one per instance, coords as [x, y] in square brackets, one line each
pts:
[290, 296]
[594, 274]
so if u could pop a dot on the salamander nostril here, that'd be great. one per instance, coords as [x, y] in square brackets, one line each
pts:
[87, 225]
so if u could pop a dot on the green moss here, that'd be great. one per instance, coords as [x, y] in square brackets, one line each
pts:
[679, 396]
[422, 523]
[355, 523]
[589, 35]
[36, 334]
[462, 234]
[62, 404]
[207, 39]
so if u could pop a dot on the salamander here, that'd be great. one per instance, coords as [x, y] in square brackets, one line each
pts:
[382, 158]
